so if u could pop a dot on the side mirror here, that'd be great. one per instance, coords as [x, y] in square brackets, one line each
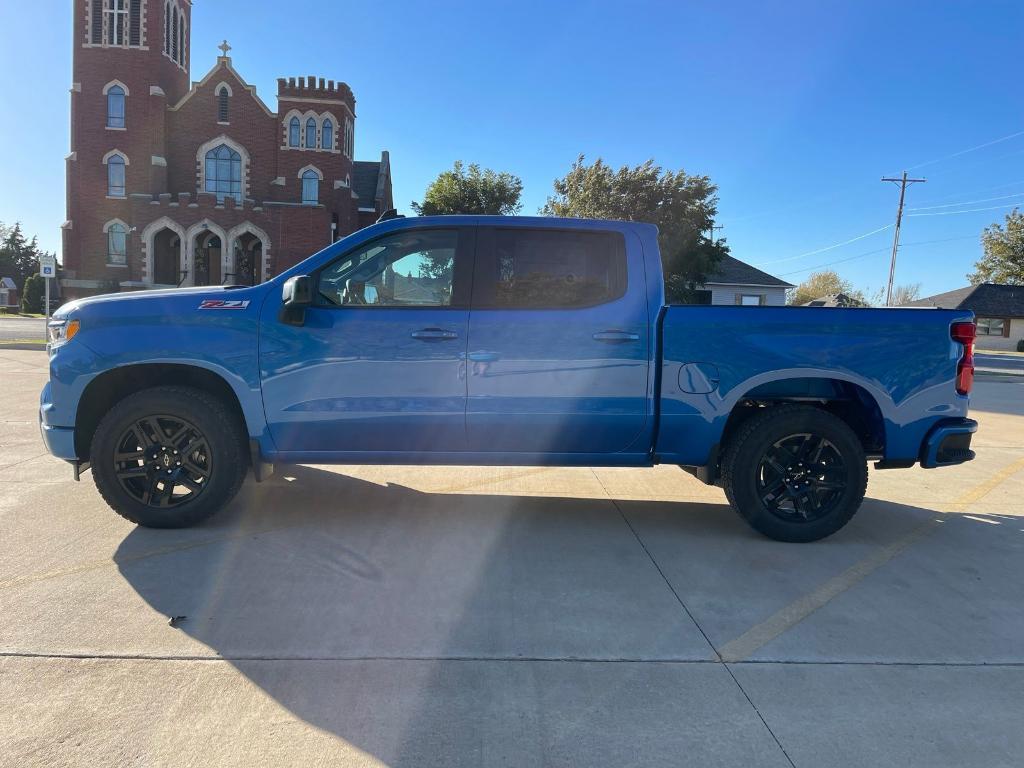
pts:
[297, 294]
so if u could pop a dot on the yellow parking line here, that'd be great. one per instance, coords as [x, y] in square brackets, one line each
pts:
[760, 635]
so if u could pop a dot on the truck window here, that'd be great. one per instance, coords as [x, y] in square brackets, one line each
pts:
[550, 269]
[412, 268]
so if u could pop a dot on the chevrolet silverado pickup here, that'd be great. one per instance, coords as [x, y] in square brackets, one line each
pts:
[499, 341]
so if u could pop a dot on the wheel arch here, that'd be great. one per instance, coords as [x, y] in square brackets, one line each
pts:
[112, 386]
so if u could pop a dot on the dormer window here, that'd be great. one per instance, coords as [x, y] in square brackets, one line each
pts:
[311, 133]
[293, 132]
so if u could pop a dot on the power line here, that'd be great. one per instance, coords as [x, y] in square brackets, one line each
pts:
[966, 151]
[877, 251]
[974, 191]
[965, 202]
[827, 247]
[968, 210]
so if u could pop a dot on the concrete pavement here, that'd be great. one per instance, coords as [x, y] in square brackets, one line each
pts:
[523, 616]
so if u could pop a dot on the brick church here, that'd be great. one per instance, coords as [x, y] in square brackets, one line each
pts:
[172, 182]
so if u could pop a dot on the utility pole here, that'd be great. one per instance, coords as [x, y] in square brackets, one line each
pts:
[713, 227]
[903, 182]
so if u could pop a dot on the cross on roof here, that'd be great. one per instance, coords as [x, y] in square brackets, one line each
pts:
[224, 48]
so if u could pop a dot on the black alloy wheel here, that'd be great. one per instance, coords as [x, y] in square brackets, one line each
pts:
[801, 477]
[163, 461]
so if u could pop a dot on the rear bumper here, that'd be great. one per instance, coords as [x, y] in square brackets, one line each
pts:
[948, 443]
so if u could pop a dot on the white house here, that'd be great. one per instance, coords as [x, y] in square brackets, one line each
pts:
[736, 282]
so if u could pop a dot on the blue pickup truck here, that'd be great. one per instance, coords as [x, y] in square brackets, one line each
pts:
[499, 341]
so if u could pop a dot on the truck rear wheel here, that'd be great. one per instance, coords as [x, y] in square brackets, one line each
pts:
[795, 473]
[168, 457]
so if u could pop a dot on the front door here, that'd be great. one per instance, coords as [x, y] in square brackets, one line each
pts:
[379, 365]
[558, 343]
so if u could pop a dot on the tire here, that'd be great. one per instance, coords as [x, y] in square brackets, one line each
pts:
[795, 473]
[168, 457]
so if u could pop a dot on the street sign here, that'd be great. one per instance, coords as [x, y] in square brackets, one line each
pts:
[48, 265]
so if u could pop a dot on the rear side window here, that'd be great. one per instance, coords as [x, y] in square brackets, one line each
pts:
[550, 269]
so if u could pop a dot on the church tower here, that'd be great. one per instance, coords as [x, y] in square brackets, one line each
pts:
[130, 61]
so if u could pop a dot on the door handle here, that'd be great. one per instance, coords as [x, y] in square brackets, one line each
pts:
[616, 337]
[434, 334]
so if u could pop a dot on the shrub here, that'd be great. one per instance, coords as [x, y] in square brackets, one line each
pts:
[1020, 345]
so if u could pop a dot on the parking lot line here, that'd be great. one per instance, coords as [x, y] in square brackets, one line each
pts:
[760, 635]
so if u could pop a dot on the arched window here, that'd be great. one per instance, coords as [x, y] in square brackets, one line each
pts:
[224, 173]
[115, 176]
[311, 133]
[181, 39]
[293, 132]
[167, 29]
[327, 135]
[117, 244]
[115, 107]
[348, 143]
[174, 33]
[222, 104]
[310, 187]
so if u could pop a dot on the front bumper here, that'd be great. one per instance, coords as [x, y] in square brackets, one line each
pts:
[948, 443]
[59, 441]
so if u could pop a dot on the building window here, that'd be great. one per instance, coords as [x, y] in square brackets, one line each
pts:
[348, 138]
[115, 176]
[181, 39]
[222, 104]
[167, 29]
[117, 22]
[311, 133]
[135, 23]
[310, 187]
[293, 132]
[115, 107]
[174, 33]
[327, 135]
[224, 173]
[117, 244]
[750, 299]
[991, 326]
[96, 23]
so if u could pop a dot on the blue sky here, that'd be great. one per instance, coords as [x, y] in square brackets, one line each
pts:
[794, 109]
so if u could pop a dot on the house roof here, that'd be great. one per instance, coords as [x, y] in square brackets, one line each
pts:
[835, 300]
[735, 272]
[985, 300]
[8, 283]
[364, 181]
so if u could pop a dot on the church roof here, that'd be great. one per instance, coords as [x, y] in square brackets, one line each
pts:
[364, 182]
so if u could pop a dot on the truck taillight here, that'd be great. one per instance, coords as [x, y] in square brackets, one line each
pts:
[964, 333]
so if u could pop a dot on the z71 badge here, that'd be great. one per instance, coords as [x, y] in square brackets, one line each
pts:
[224, 304]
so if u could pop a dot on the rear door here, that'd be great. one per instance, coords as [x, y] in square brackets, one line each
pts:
[559, 346]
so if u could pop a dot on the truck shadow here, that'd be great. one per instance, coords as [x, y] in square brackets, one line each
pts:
[365, 610]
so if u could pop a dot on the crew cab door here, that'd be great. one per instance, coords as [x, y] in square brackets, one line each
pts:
[558, 343]
[379, 363]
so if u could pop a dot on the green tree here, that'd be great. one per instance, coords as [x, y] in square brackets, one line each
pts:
[471, 190]
[1003, 260]
[825, 283]
[32, 295]
[19, 257]
[682, 206]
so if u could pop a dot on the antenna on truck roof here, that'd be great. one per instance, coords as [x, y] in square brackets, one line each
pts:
[390, 213]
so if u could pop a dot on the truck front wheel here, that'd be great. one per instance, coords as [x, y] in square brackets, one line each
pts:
[168, 457]
[795, 473]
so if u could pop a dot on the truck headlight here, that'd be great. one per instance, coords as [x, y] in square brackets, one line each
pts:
[60, 332]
